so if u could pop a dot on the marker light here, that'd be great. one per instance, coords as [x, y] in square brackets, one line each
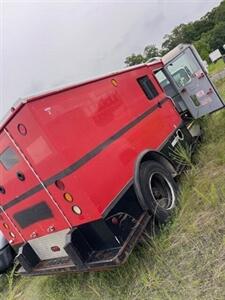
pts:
[77, 210]
[12, 234]
[22, 129]
[55, 248]
[68, 197]
[60, 185]
[114, 82]
[6, 226]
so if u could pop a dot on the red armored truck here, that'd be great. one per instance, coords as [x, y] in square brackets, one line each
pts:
[83, 169]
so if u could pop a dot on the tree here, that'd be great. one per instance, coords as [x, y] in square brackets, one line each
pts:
[217, 37]
[173, 39]
[134, 59]
[150, 51]
[219, 13]
[202, 47]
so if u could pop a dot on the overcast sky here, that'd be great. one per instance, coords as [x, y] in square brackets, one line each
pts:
[45, 44]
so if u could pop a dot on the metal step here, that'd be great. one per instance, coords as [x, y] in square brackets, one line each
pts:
[99, 260]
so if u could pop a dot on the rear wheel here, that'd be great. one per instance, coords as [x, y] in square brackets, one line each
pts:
[158, 189]
[7, 255]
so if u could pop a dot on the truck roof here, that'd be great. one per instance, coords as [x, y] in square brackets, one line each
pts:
[174, 52]
[22, 101]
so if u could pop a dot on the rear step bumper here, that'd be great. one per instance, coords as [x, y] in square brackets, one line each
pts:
[99, 260]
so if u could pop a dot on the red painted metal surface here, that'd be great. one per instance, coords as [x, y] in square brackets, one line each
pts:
[64, 126]
[156, 65]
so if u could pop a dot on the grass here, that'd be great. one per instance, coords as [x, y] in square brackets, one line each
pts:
[216, 67]
[221, 87]
[186, 261]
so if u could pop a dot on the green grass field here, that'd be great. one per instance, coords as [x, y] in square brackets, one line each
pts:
[221, 87]
[216, 67]
[186, 261]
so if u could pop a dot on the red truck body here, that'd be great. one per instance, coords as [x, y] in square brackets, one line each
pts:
[72, 152]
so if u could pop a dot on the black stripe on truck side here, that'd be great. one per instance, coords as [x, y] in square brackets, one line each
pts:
[83, 160]
[33, 214]
[25, 195]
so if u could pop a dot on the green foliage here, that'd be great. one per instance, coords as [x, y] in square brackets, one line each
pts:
[217, 36]
[180, 34]
[221, 88]
[150, 51]
[134, 59]
[202, 47]
[208, 32]
[182, 155]
[216, 67]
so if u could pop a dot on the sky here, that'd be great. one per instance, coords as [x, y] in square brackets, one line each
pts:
[47, 44]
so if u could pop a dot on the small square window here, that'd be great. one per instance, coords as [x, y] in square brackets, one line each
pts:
[147, 87]
[9, 158]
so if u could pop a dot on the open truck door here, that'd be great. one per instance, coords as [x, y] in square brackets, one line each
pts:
[189, 83]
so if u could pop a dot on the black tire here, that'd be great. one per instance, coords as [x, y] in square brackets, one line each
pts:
[7, 255]
[159, 190]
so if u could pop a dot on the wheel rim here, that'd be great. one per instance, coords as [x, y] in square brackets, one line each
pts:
[162, 191]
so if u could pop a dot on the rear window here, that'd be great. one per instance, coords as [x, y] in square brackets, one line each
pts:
[147, 87]
[9, 158]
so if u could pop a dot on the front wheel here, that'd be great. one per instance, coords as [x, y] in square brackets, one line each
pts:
[159, 190]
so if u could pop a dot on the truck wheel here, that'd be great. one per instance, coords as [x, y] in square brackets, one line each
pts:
[159, 190]
[7, 255]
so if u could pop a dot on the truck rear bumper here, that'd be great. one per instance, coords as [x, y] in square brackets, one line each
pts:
[98, 260]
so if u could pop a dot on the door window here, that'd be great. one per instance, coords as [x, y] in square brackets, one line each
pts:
[162, 79]
[147, 87]
[182, 69]
[181, 77]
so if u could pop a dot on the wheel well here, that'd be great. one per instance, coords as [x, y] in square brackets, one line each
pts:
[160, 158]
[146, 156]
